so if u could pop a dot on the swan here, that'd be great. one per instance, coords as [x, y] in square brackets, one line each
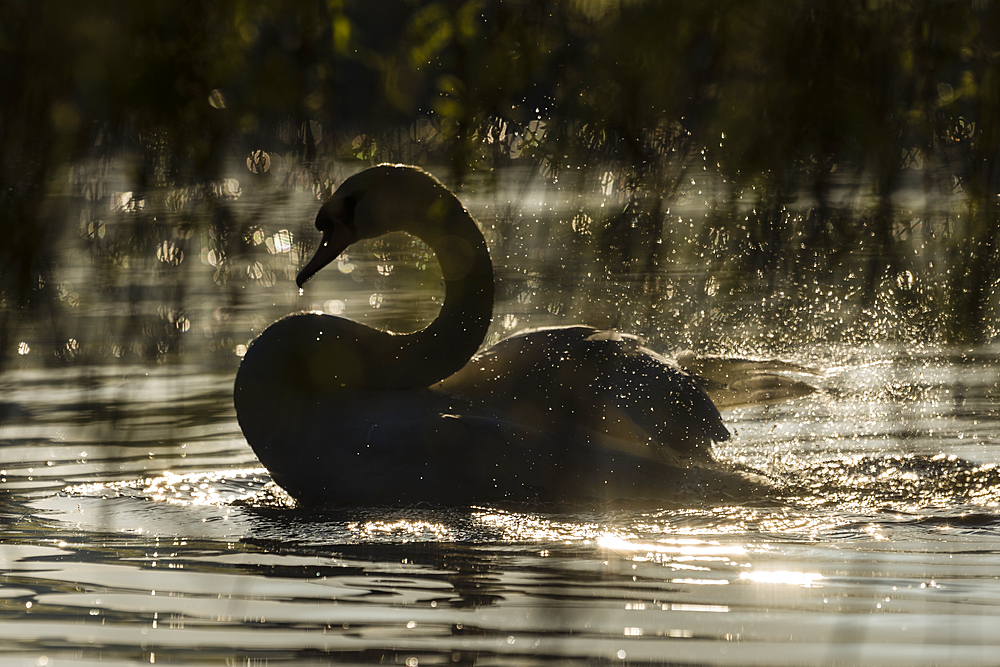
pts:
[341, 413]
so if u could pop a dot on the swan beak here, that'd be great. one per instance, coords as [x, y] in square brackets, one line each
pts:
[336, 238]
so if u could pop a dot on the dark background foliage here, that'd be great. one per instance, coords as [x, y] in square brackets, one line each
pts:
[814, 125]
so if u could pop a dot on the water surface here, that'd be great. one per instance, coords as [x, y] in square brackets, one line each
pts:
[139, 528]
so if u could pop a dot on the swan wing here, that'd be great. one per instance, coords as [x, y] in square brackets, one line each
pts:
[580, 379]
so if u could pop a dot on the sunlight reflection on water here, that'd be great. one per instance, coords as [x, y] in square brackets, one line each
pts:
[166, 542]
[221, 487]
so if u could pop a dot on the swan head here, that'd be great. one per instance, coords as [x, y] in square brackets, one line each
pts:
[374, 202]
[337, 222]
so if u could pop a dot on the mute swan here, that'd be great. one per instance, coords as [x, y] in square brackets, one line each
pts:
[342, 413]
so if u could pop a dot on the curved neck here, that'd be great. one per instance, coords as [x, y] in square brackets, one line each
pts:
[332, 354]
[313, 352]
[425, 357]
[306, 354]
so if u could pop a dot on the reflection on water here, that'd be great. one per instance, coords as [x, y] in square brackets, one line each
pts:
[139, 527]
[205, 488]
[878, 546]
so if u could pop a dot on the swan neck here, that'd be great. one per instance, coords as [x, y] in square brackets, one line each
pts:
[447, 344]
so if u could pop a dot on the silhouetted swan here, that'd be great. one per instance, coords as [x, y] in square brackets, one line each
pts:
[342, 413]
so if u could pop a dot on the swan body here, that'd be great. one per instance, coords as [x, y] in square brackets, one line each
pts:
[342, 413]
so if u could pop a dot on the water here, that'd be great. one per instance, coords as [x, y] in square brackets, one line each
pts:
[138, 527]
[142, 531]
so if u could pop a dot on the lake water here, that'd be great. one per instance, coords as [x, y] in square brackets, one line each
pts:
[138, 527]
[167, 545]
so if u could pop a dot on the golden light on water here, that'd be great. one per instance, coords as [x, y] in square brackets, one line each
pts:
[700, 582]
[220, 487]
[693, 548]
[704, 556]
[519, 527]
[803, 579]
[697, 608]
[695, 559]
[404, 529]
